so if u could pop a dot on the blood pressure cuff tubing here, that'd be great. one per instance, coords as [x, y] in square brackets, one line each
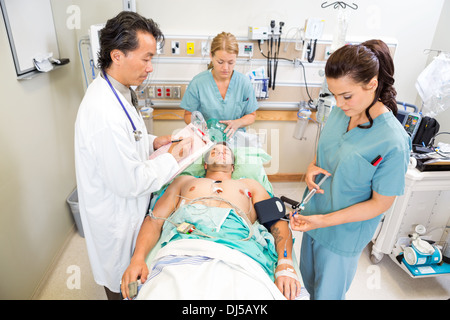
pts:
[270, 211]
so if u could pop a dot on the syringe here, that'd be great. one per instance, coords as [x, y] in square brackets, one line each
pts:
[309, 196]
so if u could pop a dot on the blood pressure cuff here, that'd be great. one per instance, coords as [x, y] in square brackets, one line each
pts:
[270, 211]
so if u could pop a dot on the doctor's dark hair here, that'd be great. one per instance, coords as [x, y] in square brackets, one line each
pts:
[120, 33]
[362, 63]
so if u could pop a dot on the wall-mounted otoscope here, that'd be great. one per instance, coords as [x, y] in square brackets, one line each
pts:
[270, 50]
[277, 53]
[274, 52]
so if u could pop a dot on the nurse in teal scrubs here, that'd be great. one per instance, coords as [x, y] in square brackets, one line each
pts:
[365, 151]
[221, 92]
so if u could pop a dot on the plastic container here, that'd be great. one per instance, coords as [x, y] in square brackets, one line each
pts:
[303, 116]
[72, 200]
[147, 114]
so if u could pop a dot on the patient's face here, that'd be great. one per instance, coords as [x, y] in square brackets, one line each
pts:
[220, 155]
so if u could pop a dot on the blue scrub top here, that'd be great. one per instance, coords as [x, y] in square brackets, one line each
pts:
[203, 95]
[348, 156]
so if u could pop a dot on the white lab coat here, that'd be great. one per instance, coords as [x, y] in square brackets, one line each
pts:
[114, 179]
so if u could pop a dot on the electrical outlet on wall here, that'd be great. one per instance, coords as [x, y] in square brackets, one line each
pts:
[205, 48]
[175, 47]
[176, 92]
[190, 48]
[167, 92]
[159, 92]
[151, 92]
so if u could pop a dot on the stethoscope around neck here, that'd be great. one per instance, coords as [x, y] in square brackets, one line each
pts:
[137, 133]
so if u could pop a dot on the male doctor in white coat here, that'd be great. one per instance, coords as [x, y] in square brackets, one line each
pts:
[112, 147]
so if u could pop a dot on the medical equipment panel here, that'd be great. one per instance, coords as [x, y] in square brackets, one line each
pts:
[258, 33]
[412, 123]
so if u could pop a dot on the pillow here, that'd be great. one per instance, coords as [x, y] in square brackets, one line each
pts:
[249, 163]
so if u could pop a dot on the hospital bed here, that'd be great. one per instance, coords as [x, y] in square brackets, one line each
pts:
[199, 268]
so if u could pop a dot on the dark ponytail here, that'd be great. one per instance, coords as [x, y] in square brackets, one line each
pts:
[387, 92]
[362, 63]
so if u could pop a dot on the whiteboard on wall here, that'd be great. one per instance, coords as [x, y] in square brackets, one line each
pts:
[31, 31]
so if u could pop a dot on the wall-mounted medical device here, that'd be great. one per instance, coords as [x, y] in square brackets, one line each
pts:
[410, 120]
[313, 32]
[245, 49]
[94, 36]
[314, 28]
[129, 5]
[258, 33]
[412, 124]
[94, 31]
[325, 104]
[272, 34]
[273, 50]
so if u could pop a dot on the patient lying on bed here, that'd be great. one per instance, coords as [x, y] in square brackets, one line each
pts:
[213, 223]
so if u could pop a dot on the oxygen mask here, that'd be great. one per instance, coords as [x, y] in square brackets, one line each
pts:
[216, 130]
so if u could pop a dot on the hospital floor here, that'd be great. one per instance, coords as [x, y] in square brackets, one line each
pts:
[71, 277]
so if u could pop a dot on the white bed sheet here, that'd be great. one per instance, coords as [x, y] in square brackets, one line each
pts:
[216, 273]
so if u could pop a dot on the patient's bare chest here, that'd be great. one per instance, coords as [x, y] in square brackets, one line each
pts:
[235, 191]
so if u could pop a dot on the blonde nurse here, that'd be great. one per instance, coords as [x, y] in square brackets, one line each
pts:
[221, 92]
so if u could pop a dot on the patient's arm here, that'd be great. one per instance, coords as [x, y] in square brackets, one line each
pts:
[149, 234]
[289, 286]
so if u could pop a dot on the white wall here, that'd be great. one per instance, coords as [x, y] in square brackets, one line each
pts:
[36, 164]
[37, 117]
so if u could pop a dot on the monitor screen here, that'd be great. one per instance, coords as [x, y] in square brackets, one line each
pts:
[401, 116]
[411, 124]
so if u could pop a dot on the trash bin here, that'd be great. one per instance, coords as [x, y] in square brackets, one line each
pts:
[72, 200]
